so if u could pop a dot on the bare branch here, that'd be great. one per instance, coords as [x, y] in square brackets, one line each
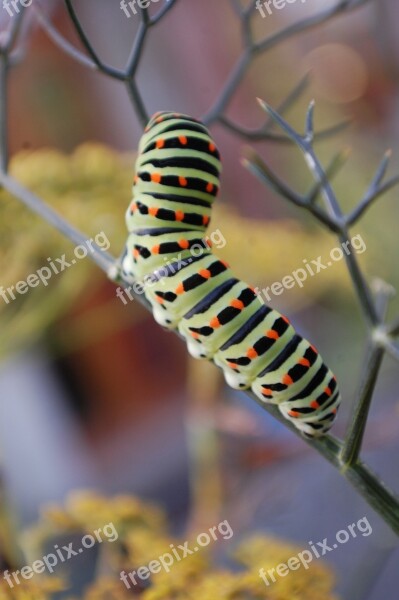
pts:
[377, 188]
[61, 42]
[332, 169]
[316, 20]
[135, 53]
[335, 213]
[371, 367]
[292, 97]
[107, 70]
[137, 102]
[254, 163]
[253, 49]
[169, 4]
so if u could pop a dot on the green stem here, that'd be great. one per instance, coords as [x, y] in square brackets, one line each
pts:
[374, 356]
[357, 426]
[367, 484]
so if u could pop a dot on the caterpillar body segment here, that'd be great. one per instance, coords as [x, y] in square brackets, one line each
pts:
[190, 289]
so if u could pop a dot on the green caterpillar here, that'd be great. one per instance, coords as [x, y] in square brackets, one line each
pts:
[221, 318]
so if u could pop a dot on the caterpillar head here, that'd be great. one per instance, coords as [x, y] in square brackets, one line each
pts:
[177, 155]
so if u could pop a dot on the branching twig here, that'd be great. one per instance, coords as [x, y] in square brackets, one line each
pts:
[262, 133]
[333, 219]
[169, 4]
[332, 169]
[217, 112]
[348, 453]
[252, 49]
[254, 163]
[377, 188]
[61, 42]
[107, 70]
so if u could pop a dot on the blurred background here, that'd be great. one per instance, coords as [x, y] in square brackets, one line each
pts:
[93, 394]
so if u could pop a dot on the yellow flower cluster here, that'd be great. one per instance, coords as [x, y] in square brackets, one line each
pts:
[311, 584]
[91, 189]
[42, 588]
[87, 511]
[143, 536]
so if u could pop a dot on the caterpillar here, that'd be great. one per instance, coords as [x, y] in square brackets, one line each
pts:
[221, 318]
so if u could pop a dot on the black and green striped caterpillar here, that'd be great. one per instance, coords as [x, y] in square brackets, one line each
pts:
[221, 318]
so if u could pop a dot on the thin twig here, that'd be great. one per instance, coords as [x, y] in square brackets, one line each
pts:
[336, 217]
[168, 5]
[254, 163]
[262, 134]
[137, 102]
[61, 42]
[357, 426]
[292, 97]
[377, 189]
[332, 169]
[316, 20]
[376, 494]
[364, 395]
[135, 53]
[86, 43]
[254, 49]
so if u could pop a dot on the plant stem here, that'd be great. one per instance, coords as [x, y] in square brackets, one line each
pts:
[366, 483]
[374, 356]
[358, 421]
